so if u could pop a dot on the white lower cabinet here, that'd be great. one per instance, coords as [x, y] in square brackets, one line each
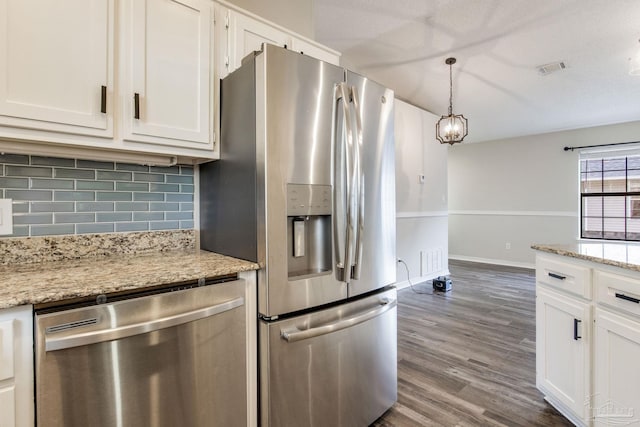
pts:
[16, 367]
[616, 397]
[562, 350]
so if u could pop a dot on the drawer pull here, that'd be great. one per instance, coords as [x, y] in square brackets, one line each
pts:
[557, 276]
[575, 329]
[103, 99]
[627, 298]
[136, 106]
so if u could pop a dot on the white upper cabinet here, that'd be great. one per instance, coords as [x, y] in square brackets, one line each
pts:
[56, 65]
[167, 72]
[315, 51]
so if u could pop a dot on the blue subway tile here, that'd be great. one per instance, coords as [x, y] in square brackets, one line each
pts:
[186, 225]
[28, 171]
[132, 186]
[114, 176]
[94, 185]
[186, 170]
[92, 164]
[131, 167]
[179, 179]
[20, 207]
[41, 218]
[186, 206]
[14, 182]
[46, 183]
[75, 196]
[52, 207]
[148, 197]
[171, 197]
[94, 228]
[186, 188]
[165, 169]
[132, 206]
[75, 173]
[94, 206]
[16, 159]
[73, 218]
[148, 177]
[113, 217]
[113, 196]
[20, 231]
[132, 226]
[148, 216]
[164, 188]
[29, 195]
[45, 230]
[163, 206]
[52, 161]
[179, 215]
[164, 225]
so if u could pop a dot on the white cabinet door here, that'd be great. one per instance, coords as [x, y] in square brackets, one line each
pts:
[315, 51]
[167, 72]
[55, 59]
[562, 350]
[7, 407]
[248, 34]
[616, 398]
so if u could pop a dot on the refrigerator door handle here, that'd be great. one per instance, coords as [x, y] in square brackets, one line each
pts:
[359, 182]
[342, 188]
[295, 334]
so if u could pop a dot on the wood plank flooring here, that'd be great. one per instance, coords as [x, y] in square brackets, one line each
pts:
[467, 357]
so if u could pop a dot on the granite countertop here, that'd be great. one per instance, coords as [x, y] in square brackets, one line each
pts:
[624, 255]
[68, 279]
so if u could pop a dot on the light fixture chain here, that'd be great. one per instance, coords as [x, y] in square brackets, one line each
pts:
[450, 90]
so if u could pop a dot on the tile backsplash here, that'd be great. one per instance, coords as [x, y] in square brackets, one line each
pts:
[53, 196]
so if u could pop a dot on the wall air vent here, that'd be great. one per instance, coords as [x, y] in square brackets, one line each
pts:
[547, 69]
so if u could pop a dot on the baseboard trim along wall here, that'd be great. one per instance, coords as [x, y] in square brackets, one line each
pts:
[516, 213]
[506, 263]
[424, 214]
[420, 280]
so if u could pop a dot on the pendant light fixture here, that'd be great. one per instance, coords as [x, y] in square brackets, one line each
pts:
[453, 127]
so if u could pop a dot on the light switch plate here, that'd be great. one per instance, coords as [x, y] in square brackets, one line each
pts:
[6, 216]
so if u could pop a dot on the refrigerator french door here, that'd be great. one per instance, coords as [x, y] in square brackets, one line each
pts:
[306, 187]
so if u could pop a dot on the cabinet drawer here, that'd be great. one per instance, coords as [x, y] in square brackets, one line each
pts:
[6, 350]
[7, 407]
[575, 279]
[617, 291]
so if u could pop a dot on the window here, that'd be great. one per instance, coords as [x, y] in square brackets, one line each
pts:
[610, 197]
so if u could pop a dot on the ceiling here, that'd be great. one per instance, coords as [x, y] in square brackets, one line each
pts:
[498, 44]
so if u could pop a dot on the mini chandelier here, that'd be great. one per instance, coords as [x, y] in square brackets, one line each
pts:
[452, 128]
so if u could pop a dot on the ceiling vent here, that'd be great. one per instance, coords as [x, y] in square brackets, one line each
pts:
[547, 69]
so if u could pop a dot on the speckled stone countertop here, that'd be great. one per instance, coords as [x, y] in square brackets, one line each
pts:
[61, 280]
[623, 255]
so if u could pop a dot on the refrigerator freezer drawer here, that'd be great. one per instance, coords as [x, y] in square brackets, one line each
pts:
[334, 367]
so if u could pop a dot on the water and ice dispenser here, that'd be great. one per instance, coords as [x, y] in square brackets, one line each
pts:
[308, 230]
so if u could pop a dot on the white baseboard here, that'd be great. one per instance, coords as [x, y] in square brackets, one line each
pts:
[421, 279]
[504, 262]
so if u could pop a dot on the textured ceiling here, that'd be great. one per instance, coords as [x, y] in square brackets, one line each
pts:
[499, 44]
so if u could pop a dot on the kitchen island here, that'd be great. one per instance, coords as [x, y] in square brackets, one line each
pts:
[38, 273]
[588, 330]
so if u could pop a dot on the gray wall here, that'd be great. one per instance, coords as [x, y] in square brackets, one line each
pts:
[69, 196]
[295, 15]
[421, 208]
[519, 191]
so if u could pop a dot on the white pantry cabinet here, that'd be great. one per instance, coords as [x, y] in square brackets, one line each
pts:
[56, 65]
[166, 59]
[16, 367]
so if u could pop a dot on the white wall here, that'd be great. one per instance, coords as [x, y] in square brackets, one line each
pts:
[421, 208]
[519, 191]
[294, 15]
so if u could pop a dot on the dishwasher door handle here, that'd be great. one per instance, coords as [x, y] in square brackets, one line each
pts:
[295, 334]
[93, 337]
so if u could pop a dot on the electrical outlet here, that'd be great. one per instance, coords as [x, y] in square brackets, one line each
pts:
[421, 179]
[6, 216]
[507, 245]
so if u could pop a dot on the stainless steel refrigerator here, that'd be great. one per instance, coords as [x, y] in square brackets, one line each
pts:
[306, 187]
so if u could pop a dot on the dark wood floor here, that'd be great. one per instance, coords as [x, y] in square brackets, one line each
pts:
[467, 357]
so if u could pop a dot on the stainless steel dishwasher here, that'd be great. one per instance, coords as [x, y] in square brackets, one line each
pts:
[177, 358]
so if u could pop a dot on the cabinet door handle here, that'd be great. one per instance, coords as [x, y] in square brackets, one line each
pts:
[627, 298]
[103, 100]
[136, 106]
[575, 329]
[557, 276]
